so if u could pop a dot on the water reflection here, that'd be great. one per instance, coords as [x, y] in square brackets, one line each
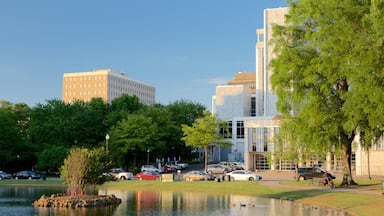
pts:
[192, 203]
[17, 201]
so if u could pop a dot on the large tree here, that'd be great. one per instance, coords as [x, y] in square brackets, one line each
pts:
[204, 132]
[131, 136]
[182, 112]
[328, 74]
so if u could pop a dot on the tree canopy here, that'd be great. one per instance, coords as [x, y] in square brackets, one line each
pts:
[328, 74]
[40, 137]
[204, 132]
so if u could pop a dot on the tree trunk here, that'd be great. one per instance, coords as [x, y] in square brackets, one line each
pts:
[346, 146]
[205, 158]
[134, 159]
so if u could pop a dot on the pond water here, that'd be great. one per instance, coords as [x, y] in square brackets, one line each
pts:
[17, 201]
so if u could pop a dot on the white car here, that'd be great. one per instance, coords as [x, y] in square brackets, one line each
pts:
[176, 164]
[149, 168]
[120, 174]
[243, 175]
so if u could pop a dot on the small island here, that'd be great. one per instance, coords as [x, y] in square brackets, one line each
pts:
[76, 201]
[81, 168]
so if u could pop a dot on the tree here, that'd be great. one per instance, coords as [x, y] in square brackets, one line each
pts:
[328, 74]
[74, 169]
[83, 167]
[9, 138]
[123, 106]
[203, 133]
[135, 134]
[182, 112]
[52, 157]
[14, 151]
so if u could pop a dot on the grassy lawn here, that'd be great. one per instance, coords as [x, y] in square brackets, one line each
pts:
[342, 198]
[359, 203]
[26, 182]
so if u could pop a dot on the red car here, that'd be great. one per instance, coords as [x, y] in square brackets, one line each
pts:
[168, 169]
[148, 176]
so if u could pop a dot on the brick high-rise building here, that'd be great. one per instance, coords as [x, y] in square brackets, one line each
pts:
[106, 84]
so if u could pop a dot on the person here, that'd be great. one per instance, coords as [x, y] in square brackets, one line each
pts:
[327, 180]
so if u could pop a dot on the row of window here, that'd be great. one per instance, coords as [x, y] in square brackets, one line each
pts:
[84, 78]
[95, 85]
[239, 130]
[85, 93]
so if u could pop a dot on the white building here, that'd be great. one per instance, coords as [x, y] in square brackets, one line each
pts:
[248, 104]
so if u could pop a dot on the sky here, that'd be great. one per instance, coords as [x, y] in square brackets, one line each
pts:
[182, 48]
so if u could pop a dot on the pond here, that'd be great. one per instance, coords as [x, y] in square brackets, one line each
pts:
[17, 201]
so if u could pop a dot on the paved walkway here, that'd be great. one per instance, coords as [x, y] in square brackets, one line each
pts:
[274, 178]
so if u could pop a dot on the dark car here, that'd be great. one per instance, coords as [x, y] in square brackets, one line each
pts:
[26, 175]
[304, 173]
[4, 175]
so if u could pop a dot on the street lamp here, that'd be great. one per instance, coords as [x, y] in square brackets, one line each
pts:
[106, 143]
[148, 155]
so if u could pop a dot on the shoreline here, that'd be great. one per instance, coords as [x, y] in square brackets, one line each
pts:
[354, 201]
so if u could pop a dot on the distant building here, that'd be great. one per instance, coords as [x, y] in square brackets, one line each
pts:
[106, 84]
[247, 103]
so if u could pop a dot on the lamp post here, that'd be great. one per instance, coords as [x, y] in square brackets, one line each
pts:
[148, 155]
[106, 143]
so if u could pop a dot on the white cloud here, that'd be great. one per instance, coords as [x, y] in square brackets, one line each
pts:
[218, 80]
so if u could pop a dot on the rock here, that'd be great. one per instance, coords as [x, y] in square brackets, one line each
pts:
[80, 201]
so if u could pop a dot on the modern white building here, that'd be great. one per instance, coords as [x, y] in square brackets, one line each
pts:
[106, 84]
[248, 104]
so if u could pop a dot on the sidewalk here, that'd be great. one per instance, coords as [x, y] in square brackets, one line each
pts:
[273, 178]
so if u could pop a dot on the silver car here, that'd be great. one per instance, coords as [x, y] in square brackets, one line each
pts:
[120, 174]
[217, 169]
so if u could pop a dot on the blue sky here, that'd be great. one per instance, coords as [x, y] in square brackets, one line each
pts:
[183, 48]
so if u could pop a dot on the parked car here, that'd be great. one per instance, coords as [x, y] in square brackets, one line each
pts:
[304, 173]
[4, 175]
[218, 169]
[243, 175]
[177, 164]
[150, 168]
[120, 174]
[197, 175]
[148, 175]
[232, 165]
[168, 169]
[26, 174]
[173, 166]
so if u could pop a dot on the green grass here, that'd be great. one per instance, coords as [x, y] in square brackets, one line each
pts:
[359, 203]
[361, 182]
[26, 182]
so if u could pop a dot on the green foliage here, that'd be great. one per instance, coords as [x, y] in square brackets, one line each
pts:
[328, 74]
[135, 134]
[204, 132]
[84, 167]
[13, 133]
[52, 157]
[41, 135]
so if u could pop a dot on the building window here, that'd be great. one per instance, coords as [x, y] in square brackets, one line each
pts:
[239, 129]
[228, 132]
[253, 106]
